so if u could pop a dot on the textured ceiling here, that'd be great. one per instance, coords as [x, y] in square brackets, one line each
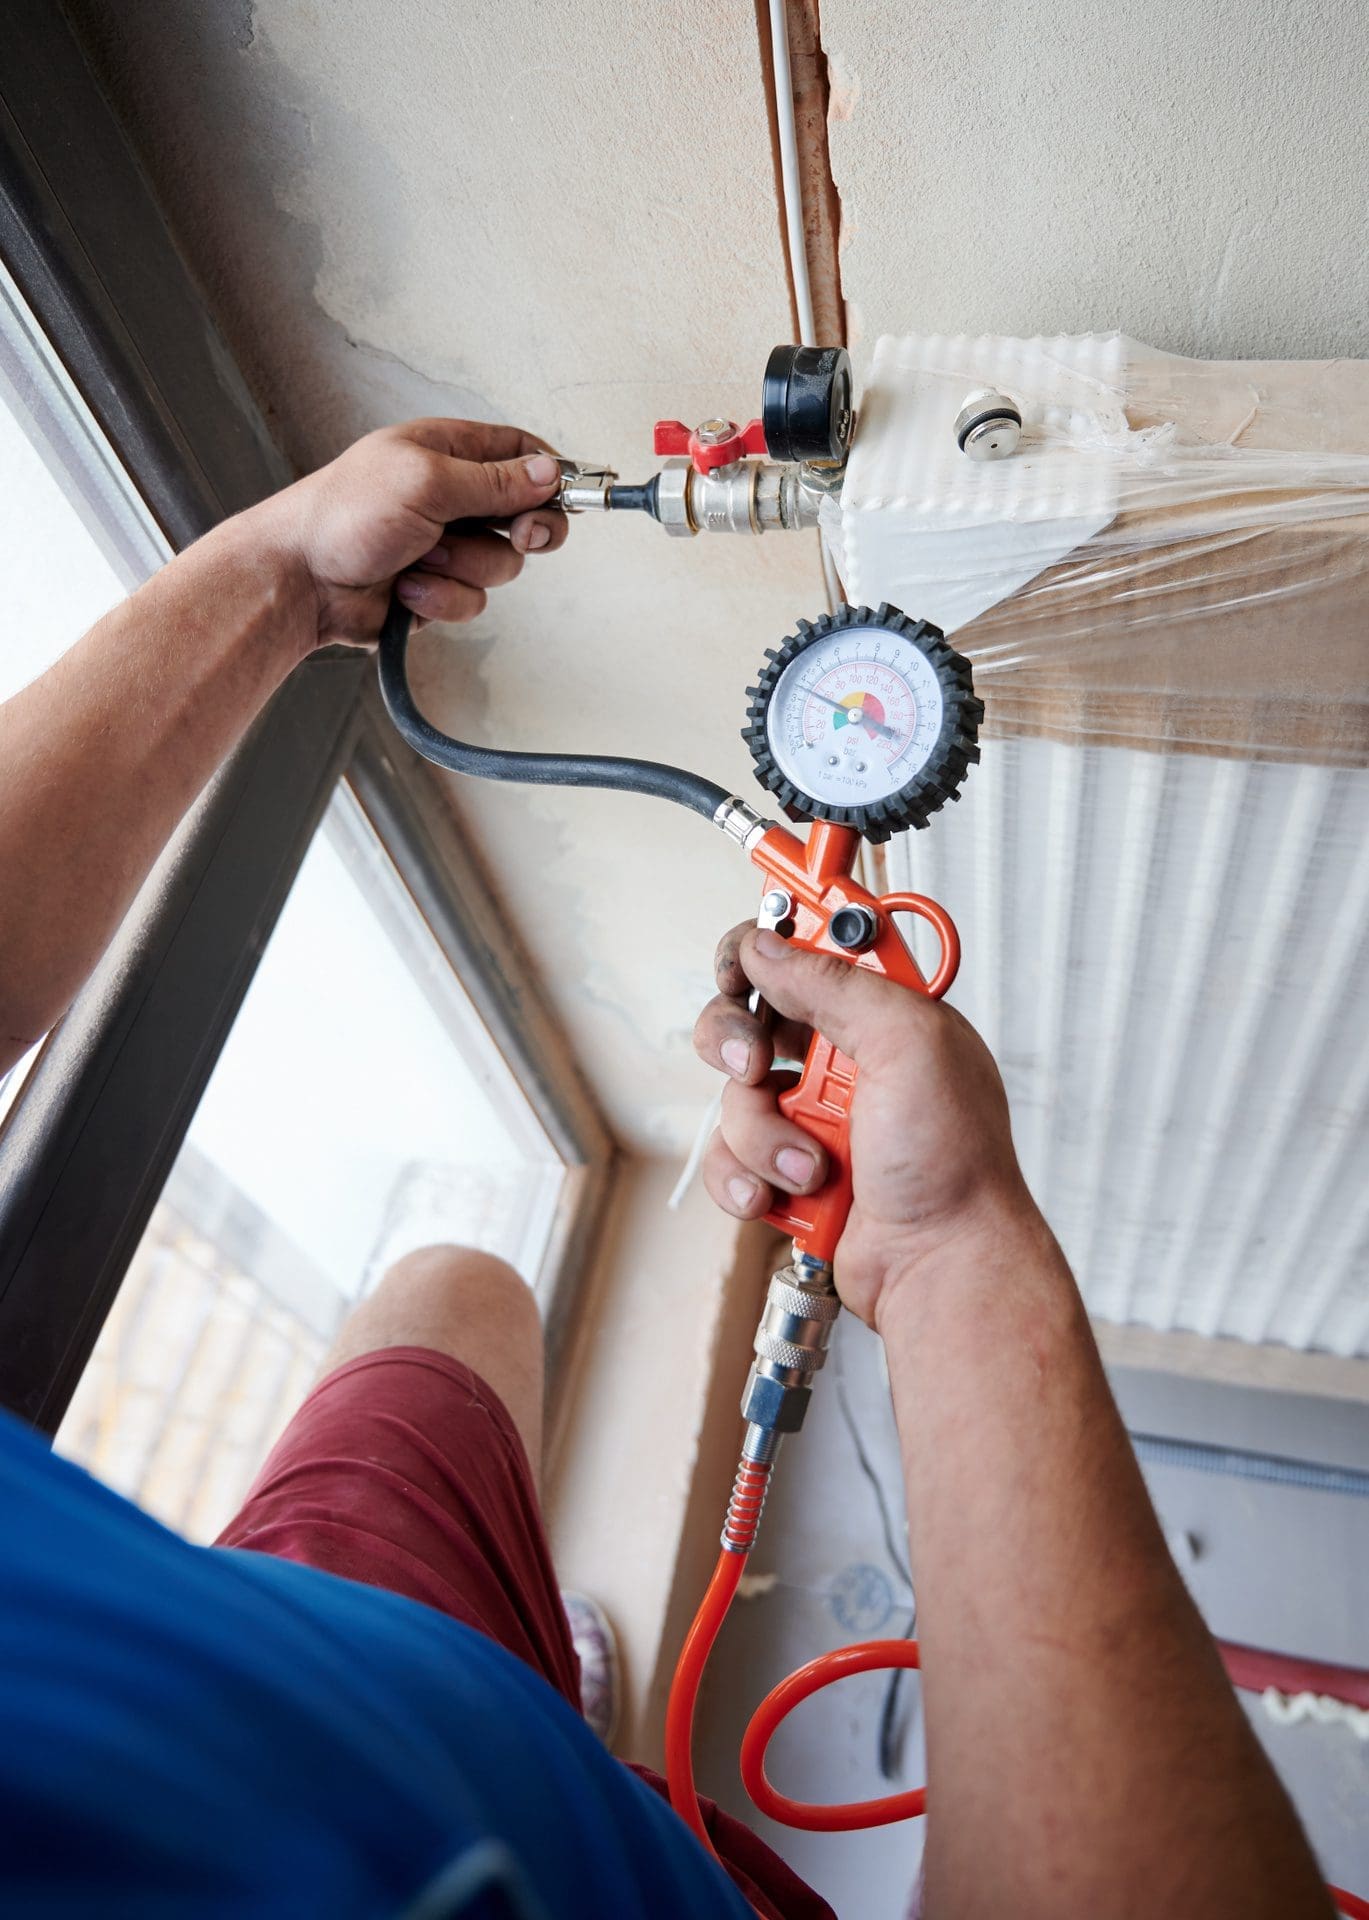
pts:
[566, 215]
[1193, 173]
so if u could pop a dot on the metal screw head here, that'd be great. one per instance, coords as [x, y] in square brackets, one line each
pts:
[777, 903]
[712, 433]
[988, 426]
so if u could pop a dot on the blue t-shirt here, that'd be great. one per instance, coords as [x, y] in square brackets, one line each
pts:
[192, 1730]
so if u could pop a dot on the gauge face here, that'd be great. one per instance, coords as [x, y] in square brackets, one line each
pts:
[855, 716]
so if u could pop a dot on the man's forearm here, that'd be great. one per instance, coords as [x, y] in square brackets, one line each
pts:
[1086, 1753]
[101, 757]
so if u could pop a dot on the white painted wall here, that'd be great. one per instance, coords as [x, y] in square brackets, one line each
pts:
[1194, 172]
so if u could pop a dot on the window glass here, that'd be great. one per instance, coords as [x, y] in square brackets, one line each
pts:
[74, 536]
[359, 1110]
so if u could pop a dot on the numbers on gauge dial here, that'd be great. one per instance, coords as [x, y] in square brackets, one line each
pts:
[855, 718]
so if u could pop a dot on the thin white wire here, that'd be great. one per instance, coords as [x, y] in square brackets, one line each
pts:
[689, 1172]
[792, 194]
[789, 172]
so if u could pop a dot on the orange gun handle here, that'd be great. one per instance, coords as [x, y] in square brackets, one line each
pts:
[821, 1101]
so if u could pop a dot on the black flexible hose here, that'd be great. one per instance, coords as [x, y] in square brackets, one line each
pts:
[537, 769]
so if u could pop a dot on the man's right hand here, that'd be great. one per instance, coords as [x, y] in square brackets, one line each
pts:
[931, 1144]
[1089, 1754]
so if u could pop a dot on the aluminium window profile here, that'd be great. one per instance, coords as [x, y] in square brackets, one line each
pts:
[88, 1145]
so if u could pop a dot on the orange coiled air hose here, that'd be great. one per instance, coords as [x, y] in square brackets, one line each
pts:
[743, 1520]
[870, 1656]
[825, 1671]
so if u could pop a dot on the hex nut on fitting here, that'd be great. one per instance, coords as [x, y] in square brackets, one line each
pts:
[769, 1403]
[672, 499]
[988, 426]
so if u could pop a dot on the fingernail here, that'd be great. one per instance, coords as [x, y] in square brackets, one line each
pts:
[742, 1192]
[436, 557]
[538, 536]
[736, 1055]
[795, 1165]
[771, 945]
[412, 592]
[542, 470]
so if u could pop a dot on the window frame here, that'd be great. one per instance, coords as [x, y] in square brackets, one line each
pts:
[88, 1145]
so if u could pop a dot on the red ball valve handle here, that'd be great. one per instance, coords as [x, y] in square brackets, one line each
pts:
[712, 444]
[830, 912]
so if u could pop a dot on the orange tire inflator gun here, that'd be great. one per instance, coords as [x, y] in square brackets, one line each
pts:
[863, 722]
[813, 898]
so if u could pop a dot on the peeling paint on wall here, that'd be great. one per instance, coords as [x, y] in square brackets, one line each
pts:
[509, 213]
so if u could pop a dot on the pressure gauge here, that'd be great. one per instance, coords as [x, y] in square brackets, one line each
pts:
[867, 719]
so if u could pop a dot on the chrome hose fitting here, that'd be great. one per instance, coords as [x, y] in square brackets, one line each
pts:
[741, 823]
[585, 488]
[801, 1307]
[988, 425]
[749, 496]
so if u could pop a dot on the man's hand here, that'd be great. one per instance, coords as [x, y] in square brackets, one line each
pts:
[931, 1145]
[101, 756]
[1049, 1607]
[447, 508]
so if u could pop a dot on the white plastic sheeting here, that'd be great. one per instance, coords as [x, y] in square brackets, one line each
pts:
[1169, 955]
[1160, 869]
[1176, 556]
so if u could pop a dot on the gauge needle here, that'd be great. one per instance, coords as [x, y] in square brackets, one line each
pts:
[875, 726]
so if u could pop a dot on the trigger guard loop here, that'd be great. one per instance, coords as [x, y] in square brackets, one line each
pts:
[930, 910]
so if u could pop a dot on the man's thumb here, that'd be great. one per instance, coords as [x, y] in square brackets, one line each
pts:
[850, 1005]
[498, 489]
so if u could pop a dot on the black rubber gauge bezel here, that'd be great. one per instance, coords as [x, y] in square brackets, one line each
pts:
[940, 777]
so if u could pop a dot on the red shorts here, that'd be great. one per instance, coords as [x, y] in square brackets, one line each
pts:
[403, 1470]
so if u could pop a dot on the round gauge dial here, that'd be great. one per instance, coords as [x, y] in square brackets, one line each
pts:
[855, 716]
[864, 718]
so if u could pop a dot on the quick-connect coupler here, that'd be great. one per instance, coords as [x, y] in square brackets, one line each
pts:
[801, 1307]
[748, 496]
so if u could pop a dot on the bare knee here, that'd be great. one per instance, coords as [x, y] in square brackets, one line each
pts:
[445, 1279]
[470, 1305]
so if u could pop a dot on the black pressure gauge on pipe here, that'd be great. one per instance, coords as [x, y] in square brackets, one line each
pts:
[807, 404]
[864, 718]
